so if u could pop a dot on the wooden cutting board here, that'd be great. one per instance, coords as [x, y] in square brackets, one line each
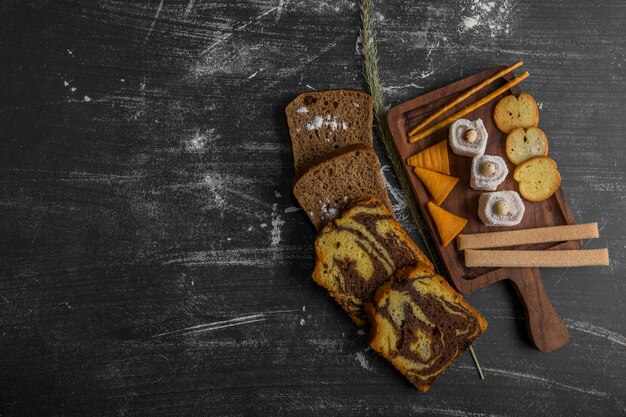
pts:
[546, 329]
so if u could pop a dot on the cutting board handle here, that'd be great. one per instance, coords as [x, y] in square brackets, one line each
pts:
[545, 327]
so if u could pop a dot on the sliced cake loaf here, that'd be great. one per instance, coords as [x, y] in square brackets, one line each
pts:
[360, 251]
[323, 121]
[421, 325]
[334, 181]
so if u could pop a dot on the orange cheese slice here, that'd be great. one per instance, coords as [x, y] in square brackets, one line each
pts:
[434, 158]
[438, 185]
[448, 225]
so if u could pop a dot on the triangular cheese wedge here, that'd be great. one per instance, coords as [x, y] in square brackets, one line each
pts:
[434, 158]
[448, 224]
[438, 185]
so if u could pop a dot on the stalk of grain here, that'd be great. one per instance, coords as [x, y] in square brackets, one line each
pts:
[370, 70]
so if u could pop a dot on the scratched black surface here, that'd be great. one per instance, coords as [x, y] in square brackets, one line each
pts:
[145, 174]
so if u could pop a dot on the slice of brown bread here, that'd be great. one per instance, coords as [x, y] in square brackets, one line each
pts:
[324, 121]
[332, 182]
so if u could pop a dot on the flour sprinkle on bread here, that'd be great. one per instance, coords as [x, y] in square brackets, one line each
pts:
[336, 180]
[324, 121]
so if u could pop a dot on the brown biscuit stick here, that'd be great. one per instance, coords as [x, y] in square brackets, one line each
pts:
[535, 258]
[489, 97]
[465, 95]
[527, 236]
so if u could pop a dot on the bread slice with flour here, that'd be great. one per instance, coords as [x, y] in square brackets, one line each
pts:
[325, 121]
[331, 183]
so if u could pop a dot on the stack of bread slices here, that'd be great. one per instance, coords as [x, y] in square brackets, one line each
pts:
[331, 137]
[365, 259]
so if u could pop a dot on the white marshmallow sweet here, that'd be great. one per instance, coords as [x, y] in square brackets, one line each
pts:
[488, 171]
[468, 138]
[501, 208]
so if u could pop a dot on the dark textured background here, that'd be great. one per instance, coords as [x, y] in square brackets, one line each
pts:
[145, 173]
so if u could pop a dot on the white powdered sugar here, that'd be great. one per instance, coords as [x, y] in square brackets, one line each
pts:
[277, 223]
[329, 213]
[514, 205]
[488, 181]
[315, 124]
[331, 122]
[460, 145]
[328, 122]
[302, 109]
[470, 22]
[488, 17]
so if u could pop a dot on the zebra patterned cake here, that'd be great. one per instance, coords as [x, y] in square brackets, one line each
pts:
[361, 250]
[421, 325]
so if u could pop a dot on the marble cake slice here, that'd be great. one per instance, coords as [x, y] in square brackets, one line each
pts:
[323, 121]
[334, 181]
[360, 251]
[421, 325]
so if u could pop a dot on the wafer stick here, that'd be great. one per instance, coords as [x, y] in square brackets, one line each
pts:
[527, 236]
[467, 94]
[535, 258]
[469, 108]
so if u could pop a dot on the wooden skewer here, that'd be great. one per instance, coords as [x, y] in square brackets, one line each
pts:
[467, 94]
[469, 108]
[480, 371]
